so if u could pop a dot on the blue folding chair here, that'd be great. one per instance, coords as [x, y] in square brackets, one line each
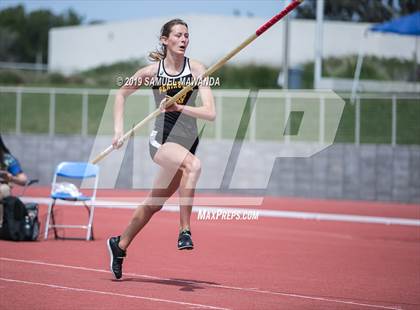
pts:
[79, 171]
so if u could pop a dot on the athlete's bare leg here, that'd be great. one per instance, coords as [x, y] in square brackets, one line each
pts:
[179, 169]
[176, 156]
[164, 186]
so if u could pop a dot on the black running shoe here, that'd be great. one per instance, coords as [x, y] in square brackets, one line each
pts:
[184, 240]
[116, 256]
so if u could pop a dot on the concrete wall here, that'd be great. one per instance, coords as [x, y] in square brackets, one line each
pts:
[82, 47]
[342, 171]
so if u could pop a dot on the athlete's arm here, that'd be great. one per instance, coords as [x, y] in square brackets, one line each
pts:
[130, 87]
[208, 110]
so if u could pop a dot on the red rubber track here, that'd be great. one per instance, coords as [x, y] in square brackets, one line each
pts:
[269, 263]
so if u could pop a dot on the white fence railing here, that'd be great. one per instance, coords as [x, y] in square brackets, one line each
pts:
[220, 96]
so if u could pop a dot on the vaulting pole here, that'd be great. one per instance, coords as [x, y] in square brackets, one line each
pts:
[208, 72]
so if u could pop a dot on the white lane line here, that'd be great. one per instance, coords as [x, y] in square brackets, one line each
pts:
[260, 212]
[113, 294]
[334, 300]
[253, 290]
[124, 202]
[340, 217]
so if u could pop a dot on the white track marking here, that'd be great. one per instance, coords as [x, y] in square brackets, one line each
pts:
[261, 212]
[253, 290]
[131, 202]
[200, 306]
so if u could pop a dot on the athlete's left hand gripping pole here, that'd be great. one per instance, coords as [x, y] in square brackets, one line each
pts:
[207, 73]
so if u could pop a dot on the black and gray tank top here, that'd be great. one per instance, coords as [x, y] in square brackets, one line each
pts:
[175, 123]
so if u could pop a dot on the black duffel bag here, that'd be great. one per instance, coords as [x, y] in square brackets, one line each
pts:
[20, 221]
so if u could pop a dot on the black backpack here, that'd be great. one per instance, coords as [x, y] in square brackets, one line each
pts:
[20, 221]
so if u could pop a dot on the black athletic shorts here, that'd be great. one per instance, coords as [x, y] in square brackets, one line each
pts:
[156, 139]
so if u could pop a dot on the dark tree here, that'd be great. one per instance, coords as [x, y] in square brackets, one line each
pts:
[373, 11]
[24, 36]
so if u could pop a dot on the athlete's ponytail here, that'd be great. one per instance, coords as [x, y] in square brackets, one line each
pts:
[160, 53]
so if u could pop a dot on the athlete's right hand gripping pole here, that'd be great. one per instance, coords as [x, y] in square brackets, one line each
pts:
[207, 73]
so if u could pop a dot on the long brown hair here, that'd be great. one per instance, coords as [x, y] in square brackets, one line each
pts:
[160, 53]
[3, 150]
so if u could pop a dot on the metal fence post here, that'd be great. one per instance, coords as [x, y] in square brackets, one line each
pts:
[287, 118]
[321, 119]
[19, 111]
[52, 112]
[253, 124]
[394, 121]
[357, 122]
[85, 111]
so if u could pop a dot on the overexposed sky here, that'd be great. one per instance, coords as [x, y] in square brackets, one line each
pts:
[111, 10]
